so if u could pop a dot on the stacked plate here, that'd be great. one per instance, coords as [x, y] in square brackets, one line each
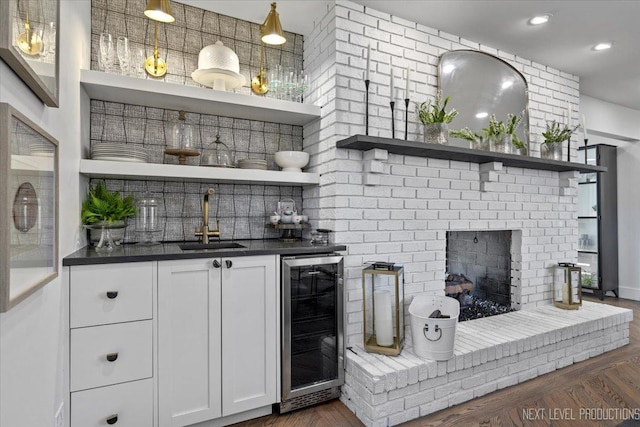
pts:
[252, 164]
[41, 149]
[119, 152]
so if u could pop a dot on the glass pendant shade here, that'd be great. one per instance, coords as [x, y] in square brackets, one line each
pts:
[181, 141]
[271, 29]
[159, 10]
[217, 154]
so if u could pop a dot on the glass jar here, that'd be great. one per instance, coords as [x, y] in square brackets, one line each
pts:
[217, 154]
[147, 218]
[181, 140]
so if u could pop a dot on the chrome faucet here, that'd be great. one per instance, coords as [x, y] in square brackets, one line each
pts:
[205, 232]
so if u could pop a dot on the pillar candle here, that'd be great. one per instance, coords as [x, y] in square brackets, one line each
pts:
[366, 75]
[406, 90]
[383, 323]
[392, 88]
[569, 111]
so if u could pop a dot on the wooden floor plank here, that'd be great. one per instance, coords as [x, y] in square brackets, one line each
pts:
[611, 380]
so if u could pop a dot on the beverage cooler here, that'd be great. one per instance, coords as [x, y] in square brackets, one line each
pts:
[312, 330]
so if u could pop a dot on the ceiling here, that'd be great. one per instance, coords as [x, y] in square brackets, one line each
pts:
[564, 43]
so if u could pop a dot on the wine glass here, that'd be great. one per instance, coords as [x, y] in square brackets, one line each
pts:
[124, 55]
[106, 52]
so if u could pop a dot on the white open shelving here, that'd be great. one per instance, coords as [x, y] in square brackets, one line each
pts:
[155, 171]
[158, 94]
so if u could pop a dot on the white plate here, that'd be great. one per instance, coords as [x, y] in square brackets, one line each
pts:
[120, 159]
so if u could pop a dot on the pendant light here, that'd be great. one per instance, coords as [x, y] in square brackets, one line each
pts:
[270, 33]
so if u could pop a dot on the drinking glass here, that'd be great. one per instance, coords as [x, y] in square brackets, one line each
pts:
[138, 57]
[124, 55]
[275, 81]
[107, 54]
[49, 40]
[302, 86]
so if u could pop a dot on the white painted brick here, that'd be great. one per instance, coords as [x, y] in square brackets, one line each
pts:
[376, 154]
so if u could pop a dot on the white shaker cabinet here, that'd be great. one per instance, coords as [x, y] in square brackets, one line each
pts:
[218, 338]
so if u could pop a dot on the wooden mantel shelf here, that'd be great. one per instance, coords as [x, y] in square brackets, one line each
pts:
[448, 152]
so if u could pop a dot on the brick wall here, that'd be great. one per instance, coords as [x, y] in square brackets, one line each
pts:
[405, 218]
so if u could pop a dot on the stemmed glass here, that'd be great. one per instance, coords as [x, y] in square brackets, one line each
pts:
[302, 86]
[124, 55]
[106, 52]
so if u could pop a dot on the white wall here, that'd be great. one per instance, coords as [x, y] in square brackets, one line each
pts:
[33, 335]
[621, 124]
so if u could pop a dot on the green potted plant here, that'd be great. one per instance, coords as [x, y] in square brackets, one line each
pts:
[104, 211]
[554, 135]
[476, 140]
[502, 135]
[435, 118]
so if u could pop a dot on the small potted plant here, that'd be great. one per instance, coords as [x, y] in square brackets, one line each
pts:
[476, 140]
[502, 136]
[433, 115]
[554, 135]
[104, 211]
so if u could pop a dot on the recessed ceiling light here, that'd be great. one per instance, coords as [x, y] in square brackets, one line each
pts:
[482, 115]
[540, 19]
[603, 46]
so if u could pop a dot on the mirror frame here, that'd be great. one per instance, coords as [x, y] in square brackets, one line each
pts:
[524, 126]
[38, 165]
[13, 58]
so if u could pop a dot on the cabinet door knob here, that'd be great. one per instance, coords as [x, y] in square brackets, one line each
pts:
[228, 263]
[216, 263]
[112, 294]
[111, 357]
[112, 419]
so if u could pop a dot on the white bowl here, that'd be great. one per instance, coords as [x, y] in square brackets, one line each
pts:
[292, 161]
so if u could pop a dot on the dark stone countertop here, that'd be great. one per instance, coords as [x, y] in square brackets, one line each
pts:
[171, 251]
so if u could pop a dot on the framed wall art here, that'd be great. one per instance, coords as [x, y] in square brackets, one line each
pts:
[29, 44]
[28, 207]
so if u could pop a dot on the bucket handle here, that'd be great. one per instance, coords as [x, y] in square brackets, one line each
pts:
[426, 329]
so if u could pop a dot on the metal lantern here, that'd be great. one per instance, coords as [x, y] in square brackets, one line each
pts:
[567, 286]
[383, 308]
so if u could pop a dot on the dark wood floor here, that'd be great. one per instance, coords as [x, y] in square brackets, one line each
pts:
[609, 382]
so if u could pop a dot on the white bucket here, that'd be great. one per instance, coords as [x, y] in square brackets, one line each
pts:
[433, 338]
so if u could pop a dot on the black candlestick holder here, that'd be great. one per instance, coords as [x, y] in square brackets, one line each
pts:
[569, 149]
[366, 106]
[406, 118]
[393, 121]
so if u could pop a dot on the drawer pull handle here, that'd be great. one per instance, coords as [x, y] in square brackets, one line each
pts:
[112, 294]
[111, 357]
[216, 263]
[229, 263]
[112, 419]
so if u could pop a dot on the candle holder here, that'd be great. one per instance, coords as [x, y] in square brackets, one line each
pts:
[366, 106]
[586, 140]
[406, 118]
[569, 149]
[383, 308]
[393, 121]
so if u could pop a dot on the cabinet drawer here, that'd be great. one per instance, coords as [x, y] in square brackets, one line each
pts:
[131, 402]
[102, 294]
[90, 347]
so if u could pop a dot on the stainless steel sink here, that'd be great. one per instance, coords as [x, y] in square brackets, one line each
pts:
[215, 245]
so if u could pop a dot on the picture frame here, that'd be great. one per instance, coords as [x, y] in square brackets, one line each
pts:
[29, 40]
[28, 208]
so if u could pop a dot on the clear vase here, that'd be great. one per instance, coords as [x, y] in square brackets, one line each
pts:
[551, 150]
[501, 143]
[106, 244]
[436, 133]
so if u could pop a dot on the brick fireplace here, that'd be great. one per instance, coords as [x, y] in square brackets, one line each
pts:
[400, 208]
